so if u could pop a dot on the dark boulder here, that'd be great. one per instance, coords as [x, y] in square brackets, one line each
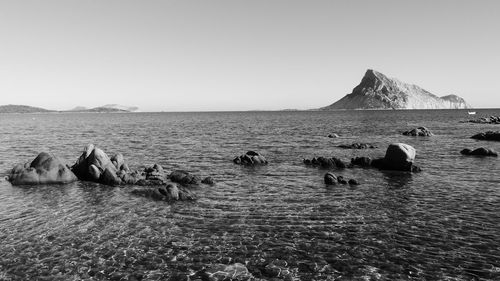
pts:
[489, 135]
[325, 162]
[250, 158]
[361, 161]
[479, 152]
[46, 168]
[208, 180]
[398, 157]
[353, 182]
[419, 132]
[357, 145]
[330, 179]
[341, 180]
[184, 177]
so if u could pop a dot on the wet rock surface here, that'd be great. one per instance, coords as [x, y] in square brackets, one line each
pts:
[325, 162]
[331, 179]
[251, 158]
[358, 145]
[419, 132]
[489, 135]
[46, 168]
[479, 152]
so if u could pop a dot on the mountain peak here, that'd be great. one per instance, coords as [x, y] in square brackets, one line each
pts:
[377, 91]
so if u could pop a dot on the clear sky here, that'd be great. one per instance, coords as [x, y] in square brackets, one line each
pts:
[188, 55]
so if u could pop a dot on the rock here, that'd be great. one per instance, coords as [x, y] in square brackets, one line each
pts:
[399, 156]
[330, 179]
[333, 136]
[353, 182]
[361, 161]
[95, 165]
[419, 132]
[357, 145]
[377, 91]
[46, 168]
[184, 177]
[110, 177]
[172, 191]
[325, 162]
[208, 180]
[94, 172]
[486, 120]
[489, 135]
[479, 152]
[250, 158]
[118, 161]
[341, 180]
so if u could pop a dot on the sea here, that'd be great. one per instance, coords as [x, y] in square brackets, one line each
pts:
[279, 222]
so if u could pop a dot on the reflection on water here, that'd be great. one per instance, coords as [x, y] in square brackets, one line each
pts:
[281, 221]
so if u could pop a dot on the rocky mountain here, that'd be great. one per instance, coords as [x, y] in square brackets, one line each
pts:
[377, 91]
[105, 108]
[12, 108]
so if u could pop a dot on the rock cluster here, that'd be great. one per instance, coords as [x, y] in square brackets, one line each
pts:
[419, 132]
[44, 169]
[358, 145]
[489, 135]
[332, 179]
[325, 162]
[251, 158]
[479, 152]
[485, 120]
[398, 157]
[95, 165]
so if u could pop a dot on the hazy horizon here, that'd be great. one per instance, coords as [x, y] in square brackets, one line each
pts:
[241, 55]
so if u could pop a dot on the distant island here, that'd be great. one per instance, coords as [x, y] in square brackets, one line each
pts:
[31, 109]
[11, 108]
[377, 91]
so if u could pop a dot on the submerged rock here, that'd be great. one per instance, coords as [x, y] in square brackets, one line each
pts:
[325, 162]
[250, 158]
[223, 272]
[419, 132]
[46, 168]
[333, 136]
[357, 145]
[479, 152]
[489, 135]
[170, 192]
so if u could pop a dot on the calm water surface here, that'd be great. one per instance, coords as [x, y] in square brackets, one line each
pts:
[441, 224]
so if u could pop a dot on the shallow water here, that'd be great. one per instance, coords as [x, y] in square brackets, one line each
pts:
[442, 223]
